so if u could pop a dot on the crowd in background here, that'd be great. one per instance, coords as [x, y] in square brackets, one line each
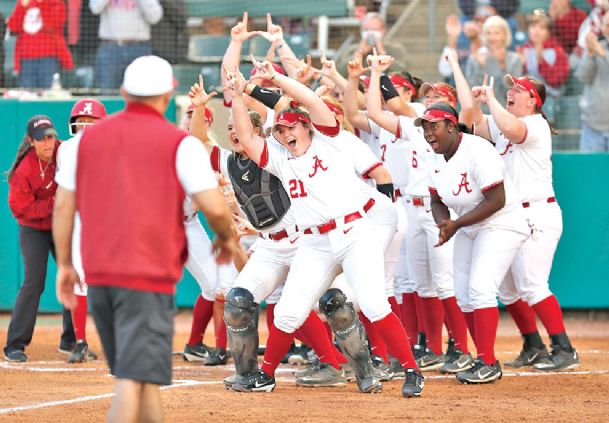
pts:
[561, 45]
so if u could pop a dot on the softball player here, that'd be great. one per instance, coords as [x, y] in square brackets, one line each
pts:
[523, 138]
[327, 203]
[429, 267]
[84, 112]
[468, 176]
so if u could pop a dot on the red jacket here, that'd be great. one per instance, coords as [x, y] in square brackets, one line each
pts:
[131, 202]
[31, 197]
[566, 29]
[39, 28]
[558, 73]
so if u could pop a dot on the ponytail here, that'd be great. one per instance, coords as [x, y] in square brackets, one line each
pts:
[23, 149]
[553, 130]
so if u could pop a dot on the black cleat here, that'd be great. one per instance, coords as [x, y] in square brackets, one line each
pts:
[196, 352]
[81, 353]
[529, 356]
[15, 355]
[481, 372]
[413, 384]
[558, 360]
[216, 357]
[256, 381]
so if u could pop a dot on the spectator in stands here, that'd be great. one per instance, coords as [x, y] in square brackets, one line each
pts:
[544, 59]
[493, 58]
[566, 21]
[373, 31]
[505, 8]
[83, 27]
[170, 34]
[593, 72]
[124, 32]
[592, 24]
[40, 49]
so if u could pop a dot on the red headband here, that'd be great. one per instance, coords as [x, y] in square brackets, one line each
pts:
[335, 109]
[526, 84]
[400, 81]
[365, 80]
[445, 91]
[435, 115]
[290, 119]
[209, 116]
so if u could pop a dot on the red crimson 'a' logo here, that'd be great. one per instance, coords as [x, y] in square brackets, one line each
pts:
[463, 184]
[508, 149]
[317, 164]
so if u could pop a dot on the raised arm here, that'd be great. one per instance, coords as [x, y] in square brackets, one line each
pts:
[319, 112]
[514, 129]
[232, 57]
[198, 125]
[252, 143]
[357, 118]
[274, 34]
[470, 111]
[378, 65]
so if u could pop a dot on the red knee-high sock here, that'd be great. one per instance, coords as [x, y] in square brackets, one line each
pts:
[395, 307]
[409, 317]
[471, 325]
[270, 315]
[201, 315]
[377, 344]
[550, 314]
[315, 334]
[420, 314]
[329, 331]
[455, 321]
[434, 319]
[524, 317]
[277, 346]
[219, 325]
[395, 337]
[79, 318]
[487, 320]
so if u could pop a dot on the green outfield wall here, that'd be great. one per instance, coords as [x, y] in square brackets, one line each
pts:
[580, 276]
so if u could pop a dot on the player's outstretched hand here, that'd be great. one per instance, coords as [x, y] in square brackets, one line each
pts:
[264, 70]
[239, 32]
[243, 226]
[448, 228]
[235, 82]
[452, 58]
[355, 69]
[273, 32]
[66, 279]
[328, 67]
[480, 93]
[379, 63]
[197, 94]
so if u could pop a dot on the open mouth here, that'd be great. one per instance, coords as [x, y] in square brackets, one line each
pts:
[433, 144]
[292, 143]
[235, 141]
[510, 102]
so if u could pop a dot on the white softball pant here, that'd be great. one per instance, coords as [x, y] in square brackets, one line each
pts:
[402, 283]
[430, 268]
[528, 277]
[482, 257]
[81, 289]
[317, 263]
[201, 263]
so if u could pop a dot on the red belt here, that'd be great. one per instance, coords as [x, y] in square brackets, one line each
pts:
[527, 204]
[418, 201]
[275, 236]
[331, 224]
[398, 193]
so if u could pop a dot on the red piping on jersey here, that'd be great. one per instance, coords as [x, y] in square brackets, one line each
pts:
[366, 174]
[264, 156]
[214, 158]
[398, 133]
[494, 184]
[329, 131]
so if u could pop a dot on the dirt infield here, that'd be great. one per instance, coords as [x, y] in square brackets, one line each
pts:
[47, 389]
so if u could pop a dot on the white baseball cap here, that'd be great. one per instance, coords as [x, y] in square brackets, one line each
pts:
[148, 76]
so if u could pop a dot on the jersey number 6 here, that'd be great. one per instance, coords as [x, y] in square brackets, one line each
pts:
[297, 188]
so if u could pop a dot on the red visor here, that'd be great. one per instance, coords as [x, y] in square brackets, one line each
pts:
[435, 115]
[209, 116]
[441, 88]
[400, 81]
[290, 119]
[336, 110]
[525, 84]
[365, 80]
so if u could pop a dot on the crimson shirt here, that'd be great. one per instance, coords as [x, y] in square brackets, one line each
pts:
[31, 197]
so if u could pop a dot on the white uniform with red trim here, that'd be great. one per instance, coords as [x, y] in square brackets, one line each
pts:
[529, 165]
[392, 152]
[328, 200]
[483, 252]
[430, 268]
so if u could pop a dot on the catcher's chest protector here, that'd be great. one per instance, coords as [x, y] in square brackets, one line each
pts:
[260, 194]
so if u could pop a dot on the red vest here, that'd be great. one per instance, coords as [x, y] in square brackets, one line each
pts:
[131, 202]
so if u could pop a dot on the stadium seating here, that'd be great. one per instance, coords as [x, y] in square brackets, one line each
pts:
[207, 48]
[259, 8]
[299, 43]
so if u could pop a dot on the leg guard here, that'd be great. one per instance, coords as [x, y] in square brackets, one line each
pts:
[241, 317]
[351, 337]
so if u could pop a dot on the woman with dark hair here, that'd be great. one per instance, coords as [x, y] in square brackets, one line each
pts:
[523, 138]
[31, 198]
[467, 175]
